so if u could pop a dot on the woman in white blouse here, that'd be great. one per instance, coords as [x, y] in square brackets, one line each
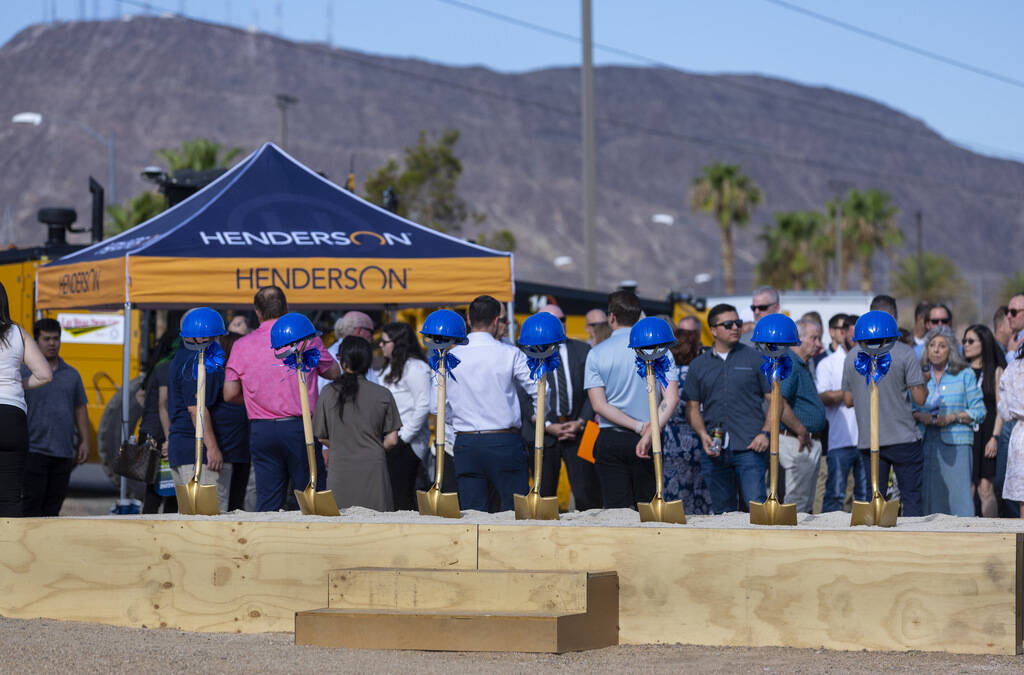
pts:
[407, 376]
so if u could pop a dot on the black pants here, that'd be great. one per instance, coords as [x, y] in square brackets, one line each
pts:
[13, 449]
[403, 466]
[152, 502]
[46, 484]
[625, 478]
[586, 487]
[239, 483]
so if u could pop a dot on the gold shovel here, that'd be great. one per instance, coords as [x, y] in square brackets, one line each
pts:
[195, 499]
[532, 506]
[311, 502]
[433, 502]
[658, 510]
[772, 512]
[878, 511]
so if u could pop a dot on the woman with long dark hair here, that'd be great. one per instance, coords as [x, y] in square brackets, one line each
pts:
[682, 447]
[16, 347]
[358, 422]
[988, 363]
[407, 376]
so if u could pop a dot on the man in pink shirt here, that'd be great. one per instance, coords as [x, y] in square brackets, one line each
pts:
[271, 396]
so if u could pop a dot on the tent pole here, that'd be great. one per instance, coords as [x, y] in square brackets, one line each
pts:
[510, 312]
[126, 404]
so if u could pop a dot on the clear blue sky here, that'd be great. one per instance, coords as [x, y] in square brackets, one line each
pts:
[707, 36]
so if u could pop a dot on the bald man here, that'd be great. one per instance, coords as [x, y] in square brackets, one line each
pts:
[594, 317]
[568, 410]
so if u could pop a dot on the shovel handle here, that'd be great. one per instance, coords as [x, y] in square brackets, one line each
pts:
[538, 433]
[307, 426]
[655, 428]
[873, 408]
[200, 407]
[774, 418]
[439, 444]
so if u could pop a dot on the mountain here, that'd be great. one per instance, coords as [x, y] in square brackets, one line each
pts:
[155, 82]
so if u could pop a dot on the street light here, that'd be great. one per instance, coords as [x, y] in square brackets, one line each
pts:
[35, 119]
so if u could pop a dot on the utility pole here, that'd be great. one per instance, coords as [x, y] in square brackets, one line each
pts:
[920, 259]
[283, 101]
[589, 176]
[839, 244]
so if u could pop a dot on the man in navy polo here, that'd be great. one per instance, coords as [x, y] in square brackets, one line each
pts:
[725, 389]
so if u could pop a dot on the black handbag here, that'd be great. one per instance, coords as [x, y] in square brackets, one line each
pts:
[138, 461]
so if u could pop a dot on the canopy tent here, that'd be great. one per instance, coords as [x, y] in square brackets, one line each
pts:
[272, 221]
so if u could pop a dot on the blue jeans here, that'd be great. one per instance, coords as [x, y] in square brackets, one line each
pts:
[497, 459]
[722, 473]
[840, 461]
[946, 481]
[278, 451]
[907, 461]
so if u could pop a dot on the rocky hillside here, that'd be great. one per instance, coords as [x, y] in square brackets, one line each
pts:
[154, 82]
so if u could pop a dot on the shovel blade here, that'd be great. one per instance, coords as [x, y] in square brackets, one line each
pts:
[771, 512]
[433, 502]
[197, 500]
[534, 507]
[315, 503]
[877, 512]
[659, 511]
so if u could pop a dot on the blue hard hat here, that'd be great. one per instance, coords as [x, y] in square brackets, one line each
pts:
[541, 329]
[876, 325]
[446, 325]
[202, 322]
[776, 329]
[292, 327]
[651, 332]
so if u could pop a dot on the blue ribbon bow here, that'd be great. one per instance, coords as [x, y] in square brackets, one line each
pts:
[880, 364]
[660, 366]
[450, 362]
[310, 360]
[213, 360]
[776, 368]
[538, 367]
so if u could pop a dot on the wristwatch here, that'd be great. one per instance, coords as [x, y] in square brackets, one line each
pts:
[767, 434]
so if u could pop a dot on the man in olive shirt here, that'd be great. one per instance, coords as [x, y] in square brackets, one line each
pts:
[800, 462]
[898, 435]
[726, 389]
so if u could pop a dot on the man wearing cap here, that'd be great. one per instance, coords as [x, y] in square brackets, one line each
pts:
[898, 436]
[483, 409]
[257, 377]
[569, 409]
[619, 397]
[352, 323]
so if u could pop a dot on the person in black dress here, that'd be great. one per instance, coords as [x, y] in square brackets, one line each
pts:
[988, 362]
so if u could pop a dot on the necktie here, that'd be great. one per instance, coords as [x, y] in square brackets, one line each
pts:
[563, 391]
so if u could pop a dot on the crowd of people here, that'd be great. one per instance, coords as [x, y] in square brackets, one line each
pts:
[947, 429]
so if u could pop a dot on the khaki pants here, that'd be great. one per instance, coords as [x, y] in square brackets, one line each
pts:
[183, 474]
[801, 469]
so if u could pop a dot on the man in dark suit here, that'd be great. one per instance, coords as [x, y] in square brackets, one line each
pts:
[569, 409]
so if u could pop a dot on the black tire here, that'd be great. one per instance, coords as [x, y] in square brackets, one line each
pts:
[56, 215]
[108, 436]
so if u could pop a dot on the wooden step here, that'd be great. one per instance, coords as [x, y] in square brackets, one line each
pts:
[460, 610]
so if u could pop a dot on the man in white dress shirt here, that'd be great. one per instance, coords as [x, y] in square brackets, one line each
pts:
[352, 323]
[843, 454]
[484, 410]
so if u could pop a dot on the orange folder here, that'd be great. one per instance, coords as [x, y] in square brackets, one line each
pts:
[586, 450]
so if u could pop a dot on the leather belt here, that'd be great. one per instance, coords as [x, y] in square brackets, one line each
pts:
[510, 430]
[278, 419]
[817, 436]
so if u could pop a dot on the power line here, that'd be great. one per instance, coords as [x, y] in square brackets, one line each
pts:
[949, 61]
[694, 139]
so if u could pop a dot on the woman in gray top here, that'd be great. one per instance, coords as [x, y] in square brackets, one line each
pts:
[357, 421]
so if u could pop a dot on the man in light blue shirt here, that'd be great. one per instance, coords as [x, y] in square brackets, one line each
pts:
[619, 397]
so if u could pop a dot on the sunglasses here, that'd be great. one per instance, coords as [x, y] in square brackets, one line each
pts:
[761, 308]
[729, 325]
[503, 319]
[944, 321]
[1014, 312]
[384, 342]
[970, 341]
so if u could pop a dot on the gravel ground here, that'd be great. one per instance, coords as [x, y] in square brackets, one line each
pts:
[43, 645]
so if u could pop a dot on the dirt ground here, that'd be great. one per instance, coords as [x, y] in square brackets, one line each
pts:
[43, 645]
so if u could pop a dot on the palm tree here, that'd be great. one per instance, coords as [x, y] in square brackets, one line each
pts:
[796, 249]
[870, 223]
[942, 280]
[138, 209]
[199, 154]
[1012, 285]
[725, 192]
